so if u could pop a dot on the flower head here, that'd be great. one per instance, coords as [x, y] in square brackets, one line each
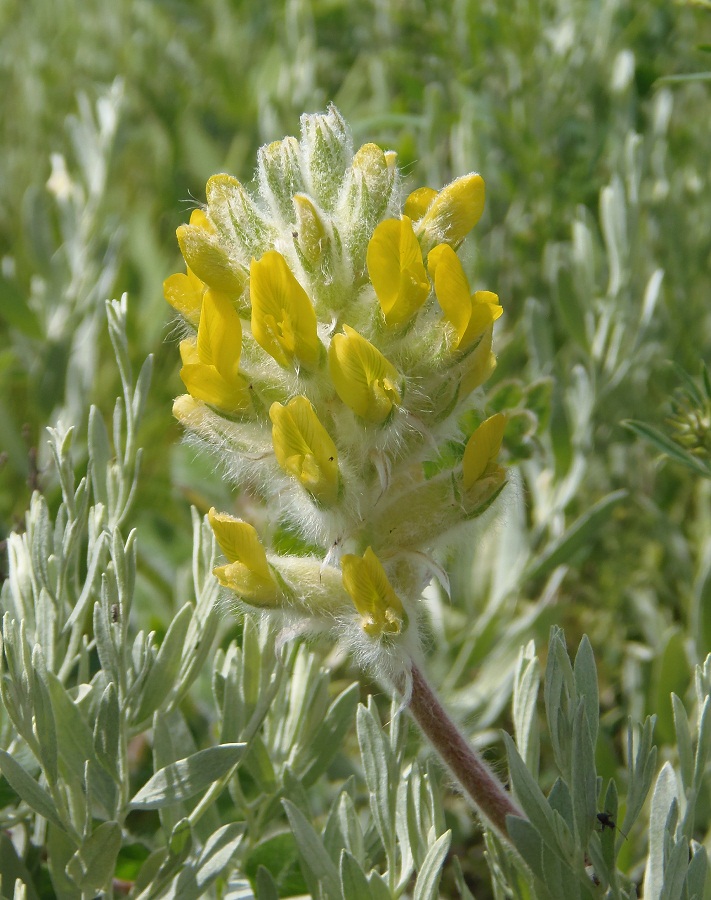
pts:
[332, 336]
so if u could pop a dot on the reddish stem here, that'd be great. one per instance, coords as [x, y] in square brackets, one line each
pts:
[477, 779]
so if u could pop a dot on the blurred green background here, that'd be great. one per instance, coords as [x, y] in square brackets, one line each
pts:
[590, 124]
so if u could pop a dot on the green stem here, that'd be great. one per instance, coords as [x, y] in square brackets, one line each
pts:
[484, 788]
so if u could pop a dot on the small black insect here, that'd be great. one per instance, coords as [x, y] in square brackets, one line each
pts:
[606, 821]
[115, 612]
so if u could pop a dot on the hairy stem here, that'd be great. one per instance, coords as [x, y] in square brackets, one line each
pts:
[477, 779]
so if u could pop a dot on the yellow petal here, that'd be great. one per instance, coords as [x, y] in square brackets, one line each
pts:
[364, 379]
[395, 266]
[239, 542]
[184, 293]
[470, 315]
[304, 449]
[419, 202]
[481, 364]
[454, 212]
[373, 596]
[200, 220]
[219, 338]
[483, 448]
[206, 383]
[283, 319]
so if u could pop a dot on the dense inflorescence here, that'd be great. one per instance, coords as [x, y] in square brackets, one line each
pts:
[332, 345]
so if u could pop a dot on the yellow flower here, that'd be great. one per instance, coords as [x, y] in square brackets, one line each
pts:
[203, 253]
[454, 212]
[283, 319]
[364, 379]
[482, 449]
[211, 366]
[373, 596]
[470, 314]
[396, 270]
[304, 449]
[185, 293]
[247, 572]
[481, 365]
[419, 202]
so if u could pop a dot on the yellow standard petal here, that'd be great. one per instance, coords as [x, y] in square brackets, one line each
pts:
[469, 314]
[211, 365]
[482, 449]
[395, 266]
[454, 212]
[364, 379]
[373, 596]
[419, 202]
[283, 318]
[247, 572]
[304, 449]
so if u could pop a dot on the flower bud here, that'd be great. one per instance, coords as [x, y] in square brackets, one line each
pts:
[247, 572]
[363, 378]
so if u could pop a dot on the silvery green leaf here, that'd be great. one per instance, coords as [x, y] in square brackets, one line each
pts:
[258, 764]
[697, 872]
[640, 770]
[675, 868]
[667, 446]
[586, 685]
[251, 665]
[198, 647]
[35, 796]
[97, 558]
[703, 744]
[74, 737]
[464, 892]
[266, 886]
[100, 786]
[328, 738]
[379, 889]
[105, 647]
[166, 665]
[45, 729]
[319, 870]
[527, 841]
[584, 776]
[662, 799]
[353, 880]
[683, 742]
[140, 393]
[107, 731]
[431, 870]
[530, 796]
[60, 849]
[560, 800]
[343, 830]
[608, 837]
[93, 863]
[187, 777]
[13, 869]
[379, 770]
[525, 696]
[99, 454]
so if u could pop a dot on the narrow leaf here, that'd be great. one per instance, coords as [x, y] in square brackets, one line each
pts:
[187, 777]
